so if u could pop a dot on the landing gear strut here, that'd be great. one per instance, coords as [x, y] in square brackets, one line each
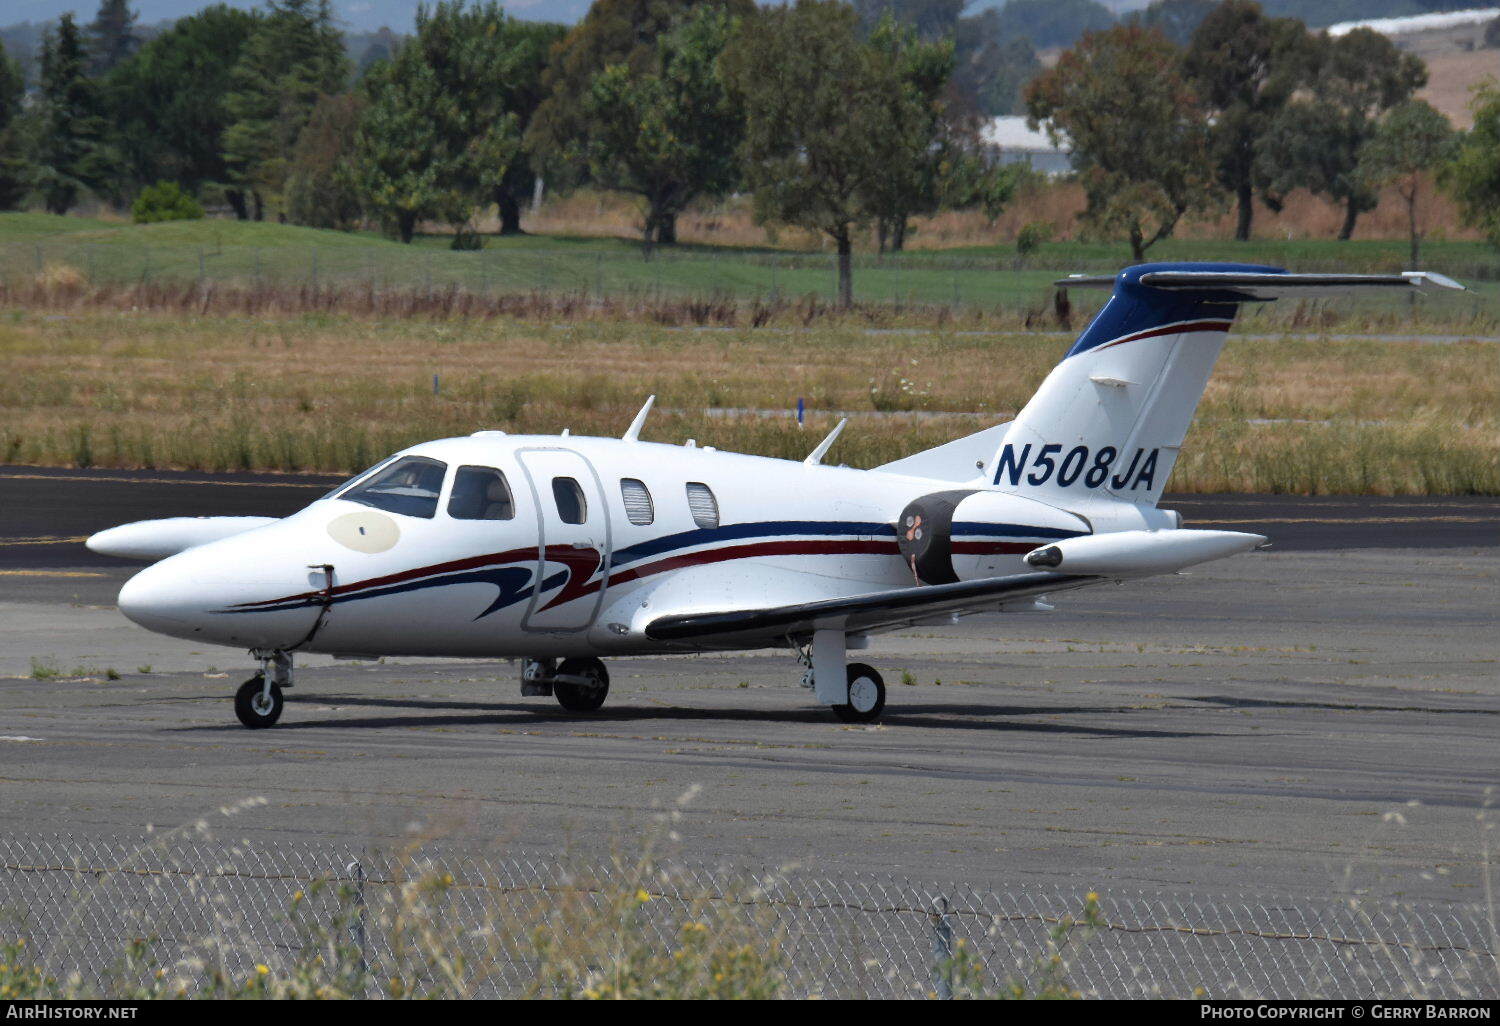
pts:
[258, 702]
[854, 691]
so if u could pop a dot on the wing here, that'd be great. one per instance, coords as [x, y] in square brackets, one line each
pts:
[897, 607]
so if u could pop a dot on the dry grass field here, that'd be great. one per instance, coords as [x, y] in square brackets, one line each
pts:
[335, 392]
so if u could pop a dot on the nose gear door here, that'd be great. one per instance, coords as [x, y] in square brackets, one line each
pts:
[573, 539]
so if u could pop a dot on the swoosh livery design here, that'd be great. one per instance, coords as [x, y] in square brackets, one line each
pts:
[512, 571]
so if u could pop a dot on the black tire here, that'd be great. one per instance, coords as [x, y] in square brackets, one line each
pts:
[580, 698]
[248, 706]
[868, 704]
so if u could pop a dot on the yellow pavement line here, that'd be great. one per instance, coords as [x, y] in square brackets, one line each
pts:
[166, 480]
[50, 573]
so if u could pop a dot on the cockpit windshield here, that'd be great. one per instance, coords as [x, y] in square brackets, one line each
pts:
[409, 486]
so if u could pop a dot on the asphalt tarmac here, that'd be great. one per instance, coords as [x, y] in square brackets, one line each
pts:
[1318, 719]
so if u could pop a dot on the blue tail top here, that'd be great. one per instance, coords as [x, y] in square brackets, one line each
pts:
[1133, 307]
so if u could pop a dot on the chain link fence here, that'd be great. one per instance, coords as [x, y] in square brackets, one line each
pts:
[201, 904]
[750, 275]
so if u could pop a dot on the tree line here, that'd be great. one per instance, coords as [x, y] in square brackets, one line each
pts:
[1194, 106]
[834, 123]
[834, 117]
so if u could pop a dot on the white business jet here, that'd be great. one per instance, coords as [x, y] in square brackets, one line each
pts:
[563, 550]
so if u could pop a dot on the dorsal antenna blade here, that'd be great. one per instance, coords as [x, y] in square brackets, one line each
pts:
[633, 432]
[816, 456]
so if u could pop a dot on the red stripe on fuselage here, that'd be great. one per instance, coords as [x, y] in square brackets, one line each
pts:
[583, 563]
[1170, 329]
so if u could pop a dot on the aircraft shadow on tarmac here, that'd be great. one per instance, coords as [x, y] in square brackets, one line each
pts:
[964, 716]
[1231, 702]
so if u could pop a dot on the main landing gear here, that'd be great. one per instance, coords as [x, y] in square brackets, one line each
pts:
[258, 702]
[854, 691]
[579, 685]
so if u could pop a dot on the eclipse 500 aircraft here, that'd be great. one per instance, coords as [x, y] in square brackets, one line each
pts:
[561, 550]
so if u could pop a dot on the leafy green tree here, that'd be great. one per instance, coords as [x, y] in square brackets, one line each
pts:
[1410, 142]
[1139, 138]
[1316, 142]
[923, 140]
[111, 36]
[320, 184]
[15, 170]
[494, 65]
[1473, 178]
[819, 129]
[70, 155]
[667, 133]
[293, 56]
[1175, 19]
[989, 67]
[612, 32]
[164, 201]
[1050, 23]
[404, 167]
[168, 103]
[1244, 67]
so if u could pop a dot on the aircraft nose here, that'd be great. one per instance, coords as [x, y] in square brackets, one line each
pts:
[217, 593]
[154, 599]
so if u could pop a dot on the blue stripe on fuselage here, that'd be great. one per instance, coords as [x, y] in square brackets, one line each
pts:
[738, 532]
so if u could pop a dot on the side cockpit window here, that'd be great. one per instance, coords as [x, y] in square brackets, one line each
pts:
[409, 486]
[480, 493]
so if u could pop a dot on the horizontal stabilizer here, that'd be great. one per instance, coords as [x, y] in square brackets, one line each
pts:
[1238, 286]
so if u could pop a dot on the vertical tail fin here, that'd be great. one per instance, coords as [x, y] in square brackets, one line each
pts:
[1109, 420]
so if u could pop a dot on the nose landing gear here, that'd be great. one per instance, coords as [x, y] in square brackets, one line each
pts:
[258, 702]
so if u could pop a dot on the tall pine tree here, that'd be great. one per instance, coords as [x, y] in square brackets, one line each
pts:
[293, 57]
[15, 176]
[112, 37]
[69, 148]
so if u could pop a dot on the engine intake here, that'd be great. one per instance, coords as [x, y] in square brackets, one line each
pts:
[925, 536]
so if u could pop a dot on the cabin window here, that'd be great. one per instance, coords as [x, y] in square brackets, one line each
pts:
[704, 507]
[571, 507]
[480, 493]
[410, 486]
[639, 509]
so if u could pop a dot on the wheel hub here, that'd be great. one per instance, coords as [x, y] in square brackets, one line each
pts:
[863, 694]
[262, 703]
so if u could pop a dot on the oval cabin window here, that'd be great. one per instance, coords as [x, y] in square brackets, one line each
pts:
[639, 509]
[704, 507]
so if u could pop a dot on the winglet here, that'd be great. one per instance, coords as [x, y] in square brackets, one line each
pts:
[816, 456]
[633, 432]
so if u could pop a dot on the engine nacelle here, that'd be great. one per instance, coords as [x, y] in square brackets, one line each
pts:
[967, 535]
[1140, 553]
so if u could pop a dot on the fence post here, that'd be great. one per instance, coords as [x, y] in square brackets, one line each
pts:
[356, 872]
[599, 277]
[942, 950]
